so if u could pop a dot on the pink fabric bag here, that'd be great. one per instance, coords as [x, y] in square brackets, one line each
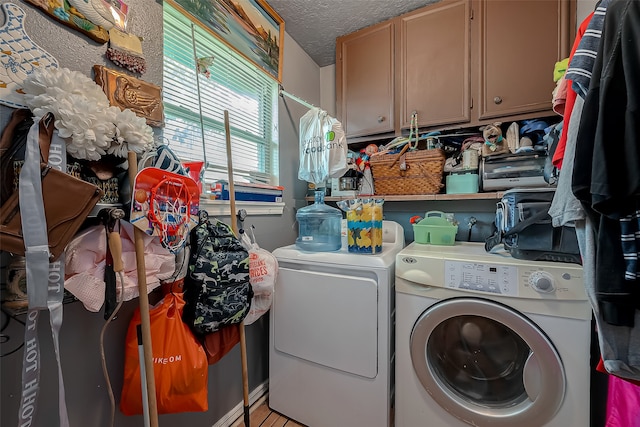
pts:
[623, 403]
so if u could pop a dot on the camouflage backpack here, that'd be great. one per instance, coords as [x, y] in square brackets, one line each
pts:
[217, 289]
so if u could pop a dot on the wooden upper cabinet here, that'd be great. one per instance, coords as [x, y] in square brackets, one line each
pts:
[434, 64]
[365, 80]
[456, 63]
[519, 44]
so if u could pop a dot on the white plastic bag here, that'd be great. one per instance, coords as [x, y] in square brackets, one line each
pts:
[263, 270]
[323, 147]
[336, 145]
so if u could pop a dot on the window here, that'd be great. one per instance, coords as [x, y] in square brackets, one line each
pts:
[195, 101]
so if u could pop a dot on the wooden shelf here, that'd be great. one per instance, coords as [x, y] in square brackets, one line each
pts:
[496, 195]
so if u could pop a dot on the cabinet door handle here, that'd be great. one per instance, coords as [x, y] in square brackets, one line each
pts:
[497, 100]
[380, 119]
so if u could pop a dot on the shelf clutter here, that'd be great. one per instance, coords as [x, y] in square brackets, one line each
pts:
[495, 195]
[473, 164]
[220, 190]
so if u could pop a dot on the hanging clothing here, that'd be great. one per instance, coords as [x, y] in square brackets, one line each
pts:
[609, 132]
[569, 99]
[619, 345]
[86, 260]
[565, 209]
[581, 64]
[609, 128]
[559, 96]
[604, 178]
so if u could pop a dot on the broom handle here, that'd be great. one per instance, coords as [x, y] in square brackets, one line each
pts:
[145, 320]
[234, 227]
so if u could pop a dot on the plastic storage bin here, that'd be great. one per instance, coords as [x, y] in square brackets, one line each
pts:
[435, 229]
[319, 226]
[462, 183]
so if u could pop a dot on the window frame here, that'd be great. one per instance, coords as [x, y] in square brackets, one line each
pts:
[258, 138]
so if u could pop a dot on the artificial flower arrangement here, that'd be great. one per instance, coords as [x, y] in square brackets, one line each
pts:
[83, 117]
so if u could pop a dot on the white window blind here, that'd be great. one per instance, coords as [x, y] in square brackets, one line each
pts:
[194, 104]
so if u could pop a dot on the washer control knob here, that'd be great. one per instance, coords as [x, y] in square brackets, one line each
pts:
[542, 281]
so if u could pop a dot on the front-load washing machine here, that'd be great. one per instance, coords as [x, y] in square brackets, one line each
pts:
[485, 339]
[331, 335]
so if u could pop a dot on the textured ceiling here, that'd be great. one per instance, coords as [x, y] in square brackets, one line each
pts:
[315, 24]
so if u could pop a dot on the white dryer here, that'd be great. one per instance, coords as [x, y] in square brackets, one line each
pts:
[331, 335]
[489, 340]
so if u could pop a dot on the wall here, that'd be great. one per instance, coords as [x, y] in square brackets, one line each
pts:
[86, 395]
[328, 86]
[301, 77]
[584, 8]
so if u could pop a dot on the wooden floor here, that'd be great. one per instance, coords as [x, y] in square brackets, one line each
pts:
[263, 416]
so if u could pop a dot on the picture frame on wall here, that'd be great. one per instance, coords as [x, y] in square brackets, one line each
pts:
[250, 27]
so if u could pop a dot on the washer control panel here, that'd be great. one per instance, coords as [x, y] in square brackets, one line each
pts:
[481, 277]
[530, 281]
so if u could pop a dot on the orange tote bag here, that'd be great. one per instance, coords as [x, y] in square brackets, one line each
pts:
[179, 362]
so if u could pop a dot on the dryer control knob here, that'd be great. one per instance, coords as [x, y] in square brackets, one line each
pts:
[542, 281]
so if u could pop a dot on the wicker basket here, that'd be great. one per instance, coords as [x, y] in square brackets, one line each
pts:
[422, 175]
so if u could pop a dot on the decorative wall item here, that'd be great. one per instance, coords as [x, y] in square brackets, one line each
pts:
[125, 50]
[19, 56]
[145, 99]
[105, 13]
[68, 15]
[250, 27]
[203, 64]
[95, 11]
[85, 119]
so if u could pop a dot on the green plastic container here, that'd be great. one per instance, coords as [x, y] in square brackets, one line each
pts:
[435, 229]
[463, 183]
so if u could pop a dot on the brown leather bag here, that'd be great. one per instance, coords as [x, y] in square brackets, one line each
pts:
[67, 203]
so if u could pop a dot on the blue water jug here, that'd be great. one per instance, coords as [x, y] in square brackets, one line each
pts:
[319, 226]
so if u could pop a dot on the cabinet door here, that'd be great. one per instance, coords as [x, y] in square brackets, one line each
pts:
[520, 42]
[364, 80]
[435, 64]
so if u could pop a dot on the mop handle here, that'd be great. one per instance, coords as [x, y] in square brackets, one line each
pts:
[234, 228]
[143, 300]
[143, 382]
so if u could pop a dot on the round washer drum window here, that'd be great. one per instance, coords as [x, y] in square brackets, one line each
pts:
[486, 363]
[479, 359]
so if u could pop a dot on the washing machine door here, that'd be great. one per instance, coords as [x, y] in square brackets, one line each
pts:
[487, 364]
